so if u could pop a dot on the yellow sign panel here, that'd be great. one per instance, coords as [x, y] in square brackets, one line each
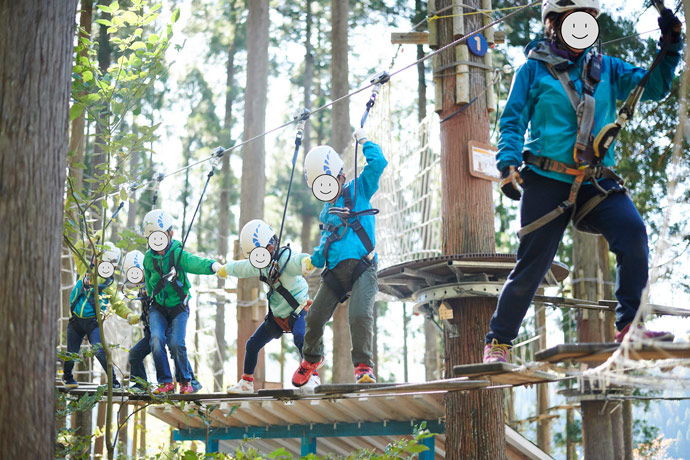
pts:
[483, 161]
[445, 312]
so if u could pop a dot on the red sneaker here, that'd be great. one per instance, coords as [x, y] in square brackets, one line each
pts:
[495, 352]
[186, 388]
[304, 372]
[164, 388]
[648, 335]
[364, 374]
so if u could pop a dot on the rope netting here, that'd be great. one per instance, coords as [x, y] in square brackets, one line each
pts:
[408, 225]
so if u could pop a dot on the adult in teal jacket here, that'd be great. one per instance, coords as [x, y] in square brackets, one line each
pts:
[349, 259]
[165, 270]
[538, 101]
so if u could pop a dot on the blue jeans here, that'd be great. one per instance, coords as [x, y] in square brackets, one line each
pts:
[140, 351]
[267, 331]
[616, 218]
[166, 328]
[77, 328]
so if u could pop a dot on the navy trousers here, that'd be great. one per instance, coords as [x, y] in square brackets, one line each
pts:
[616, 218]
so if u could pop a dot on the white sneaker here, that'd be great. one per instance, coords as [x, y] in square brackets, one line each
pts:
[243, 386]
[313, 382]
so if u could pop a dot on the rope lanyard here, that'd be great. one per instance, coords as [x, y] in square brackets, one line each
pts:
[608, 133]
[301, 118]
[217, 155]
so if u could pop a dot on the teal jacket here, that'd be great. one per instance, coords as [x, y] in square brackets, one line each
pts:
[188, 263]
[538, 101]
[349, 246]
[82, 300]
[291, 278]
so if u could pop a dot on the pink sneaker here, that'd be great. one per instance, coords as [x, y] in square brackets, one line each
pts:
[364, 374]
[495, 352]
[186, 388]
[648, 335]
[304, 372]
[164, 388]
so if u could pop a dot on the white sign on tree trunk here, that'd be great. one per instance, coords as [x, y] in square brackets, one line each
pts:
[483, 161]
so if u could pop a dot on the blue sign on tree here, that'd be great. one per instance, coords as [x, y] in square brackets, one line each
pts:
[477, 45]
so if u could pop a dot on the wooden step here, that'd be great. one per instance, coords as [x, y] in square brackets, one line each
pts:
[504, 373]
[600, 352]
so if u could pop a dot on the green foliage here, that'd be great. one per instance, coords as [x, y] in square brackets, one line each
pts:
[404, 449]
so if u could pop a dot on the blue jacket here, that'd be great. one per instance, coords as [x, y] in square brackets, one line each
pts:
[538, 100]
[291, 278]
[349, 246]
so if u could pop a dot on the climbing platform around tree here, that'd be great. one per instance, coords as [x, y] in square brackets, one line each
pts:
[504, 373]
[455, 276]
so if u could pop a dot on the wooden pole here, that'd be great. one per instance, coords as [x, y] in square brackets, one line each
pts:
[544, 423]
[474, 421]
[597, 433]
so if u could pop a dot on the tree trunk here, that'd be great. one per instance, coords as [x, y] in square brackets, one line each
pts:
[340, 140]
[405, 319]
[597, 432]
[307, 218]
[36, 40]
[627, 430]
[98, 157]
[224, 215]
[253, 184]
[474, 421]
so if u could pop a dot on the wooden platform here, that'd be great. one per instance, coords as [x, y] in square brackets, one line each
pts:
[600, 352]
[504, 373]
[403, 280]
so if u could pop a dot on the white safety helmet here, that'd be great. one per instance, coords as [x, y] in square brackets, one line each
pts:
[561, 6]
[321, 160]
[156, 221]
[133, 267]
[111, 253]
[256, 234]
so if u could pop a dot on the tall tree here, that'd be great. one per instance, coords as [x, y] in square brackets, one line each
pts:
[340, 140]
[36, 41]
[474, 421]
[224, 203]
[253, 183]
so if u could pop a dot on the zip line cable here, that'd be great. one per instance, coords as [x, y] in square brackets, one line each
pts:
[339, 99]
[357, 91]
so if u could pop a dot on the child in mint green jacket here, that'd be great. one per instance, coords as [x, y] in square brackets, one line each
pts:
[288, 296]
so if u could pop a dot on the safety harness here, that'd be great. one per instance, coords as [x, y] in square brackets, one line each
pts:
[348, 219]
[172, 277]
[82, 286]
[272, 281]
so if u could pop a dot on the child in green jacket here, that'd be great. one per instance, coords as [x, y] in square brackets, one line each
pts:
[165, 270]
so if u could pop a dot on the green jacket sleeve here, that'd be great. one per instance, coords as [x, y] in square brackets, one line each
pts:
[116, 301]
[80, 266]
[195, 264]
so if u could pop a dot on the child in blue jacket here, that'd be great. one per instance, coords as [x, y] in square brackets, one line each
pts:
[558, 75]
[346, 250]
